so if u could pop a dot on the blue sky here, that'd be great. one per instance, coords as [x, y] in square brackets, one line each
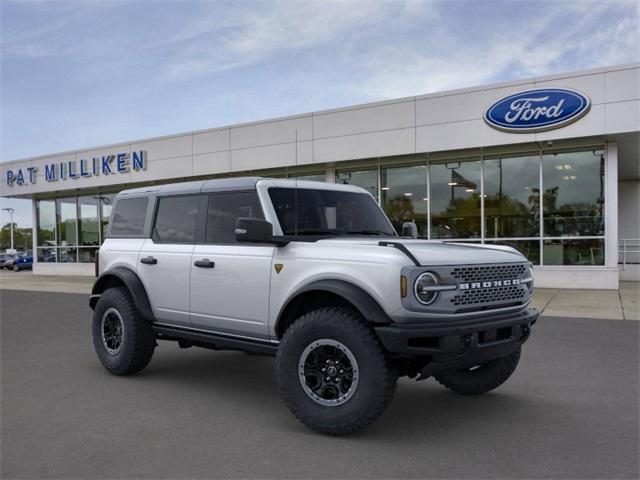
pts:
[80, 74]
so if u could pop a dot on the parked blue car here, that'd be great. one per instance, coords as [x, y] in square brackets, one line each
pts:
[23, 262]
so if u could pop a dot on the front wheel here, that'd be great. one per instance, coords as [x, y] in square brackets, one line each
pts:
[123, 340]
[481, 378]
[332, 372]
[16, 268]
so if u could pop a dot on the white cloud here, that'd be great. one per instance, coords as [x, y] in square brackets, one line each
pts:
[259, 33]
[589, 39]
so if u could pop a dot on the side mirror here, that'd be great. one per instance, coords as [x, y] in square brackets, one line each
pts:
[409, 230]
[254, 230]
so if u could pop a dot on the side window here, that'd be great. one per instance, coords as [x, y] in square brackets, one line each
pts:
[128, 217]
[176, 219]
[225, 209]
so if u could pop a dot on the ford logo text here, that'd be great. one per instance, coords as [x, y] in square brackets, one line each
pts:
[537, 110]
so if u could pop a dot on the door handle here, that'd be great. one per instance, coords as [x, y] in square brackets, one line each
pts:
[204, 263]
[149, 260]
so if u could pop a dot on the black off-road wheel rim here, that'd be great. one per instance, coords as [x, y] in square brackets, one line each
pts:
[112, 331]
[328, 372]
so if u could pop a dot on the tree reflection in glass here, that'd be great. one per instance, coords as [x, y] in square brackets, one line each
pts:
[573, 198]
[455, 199]
[512, 197]
[404, 196]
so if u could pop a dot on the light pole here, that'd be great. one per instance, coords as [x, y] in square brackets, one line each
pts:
[10, 210]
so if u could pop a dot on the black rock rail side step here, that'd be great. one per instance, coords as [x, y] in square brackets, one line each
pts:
[213, 340]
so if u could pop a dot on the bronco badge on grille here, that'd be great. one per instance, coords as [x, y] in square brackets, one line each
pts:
[493, 283]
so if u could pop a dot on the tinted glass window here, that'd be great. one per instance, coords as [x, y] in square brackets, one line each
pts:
[176, 219]
[106, 205]
[367, 179]
[573, 251]
[512, 197]
[225, 209]
[67, 221]
[404, 196]
[328, 212]
[573, 197]
[46, 222]
[312, 177]
[455, 200]
[88, 221]
[128, 217]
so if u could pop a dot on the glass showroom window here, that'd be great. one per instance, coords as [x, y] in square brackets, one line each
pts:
[455, 199]
[573, 207]
[405, 196]
[367, 179]
[529, 248]
[106, 206]
[313, 177]
[88, 228]
[46, 230]
[512, 197]
[574, 251]
[67, 229]
[573, 197]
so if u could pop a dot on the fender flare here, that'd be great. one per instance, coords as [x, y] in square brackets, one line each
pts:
[133, 284]
[356, 296]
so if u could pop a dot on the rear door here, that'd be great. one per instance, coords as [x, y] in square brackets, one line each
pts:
[230, 280]
[164, 262]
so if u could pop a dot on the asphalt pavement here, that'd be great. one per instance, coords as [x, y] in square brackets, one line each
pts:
[569, 411]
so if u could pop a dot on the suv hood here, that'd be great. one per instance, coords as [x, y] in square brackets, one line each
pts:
[435, 252]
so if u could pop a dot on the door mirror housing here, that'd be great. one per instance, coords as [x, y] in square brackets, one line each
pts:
[410, 230]
[256, 230]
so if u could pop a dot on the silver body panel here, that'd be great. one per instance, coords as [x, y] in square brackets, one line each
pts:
[244, 295]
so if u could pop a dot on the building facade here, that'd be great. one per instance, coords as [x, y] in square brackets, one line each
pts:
[550, 165]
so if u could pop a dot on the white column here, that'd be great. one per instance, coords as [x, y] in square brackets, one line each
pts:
[330, 173]
[611, 205]
[34, 233]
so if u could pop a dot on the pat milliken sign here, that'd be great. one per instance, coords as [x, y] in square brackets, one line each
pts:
[537, 110]
[118, 163]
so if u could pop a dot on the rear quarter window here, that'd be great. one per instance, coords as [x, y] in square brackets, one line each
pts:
[128, 217]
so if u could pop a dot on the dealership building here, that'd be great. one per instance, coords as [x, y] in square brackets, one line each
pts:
[550, 165]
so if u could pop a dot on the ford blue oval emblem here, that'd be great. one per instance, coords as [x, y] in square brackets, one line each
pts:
[537, 110]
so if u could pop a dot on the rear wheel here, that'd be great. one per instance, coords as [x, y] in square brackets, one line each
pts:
[124, 341]
[481, 378]
[332, 373]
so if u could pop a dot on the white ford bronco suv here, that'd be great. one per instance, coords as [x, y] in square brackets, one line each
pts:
[315, 274]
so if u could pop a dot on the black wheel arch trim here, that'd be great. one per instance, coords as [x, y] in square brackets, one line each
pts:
[356, 296]
[133, 283]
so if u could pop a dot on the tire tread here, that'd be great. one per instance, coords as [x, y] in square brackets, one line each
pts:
[483, 380]
[139, 337]
[360, 332]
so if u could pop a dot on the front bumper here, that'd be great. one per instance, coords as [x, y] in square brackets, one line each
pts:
[462, 344]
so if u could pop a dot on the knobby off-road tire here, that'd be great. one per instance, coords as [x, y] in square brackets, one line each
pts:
[341, 336]
[481, 379]
[116, 313]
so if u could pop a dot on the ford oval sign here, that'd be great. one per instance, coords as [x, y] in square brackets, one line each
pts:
[537, 110]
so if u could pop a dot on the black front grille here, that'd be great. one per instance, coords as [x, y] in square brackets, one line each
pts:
[481, 273]
[481, 286]
[509, 294]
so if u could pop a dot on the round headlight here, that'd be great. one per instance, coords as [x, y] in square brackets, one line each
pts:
[422, 288]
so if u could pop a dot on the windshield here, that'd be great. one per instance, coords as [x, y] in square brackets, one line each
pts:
[312, 212]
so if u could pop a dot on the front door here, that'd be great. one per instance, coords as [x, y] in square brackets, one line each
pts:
[164, 262]
[230, 280]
